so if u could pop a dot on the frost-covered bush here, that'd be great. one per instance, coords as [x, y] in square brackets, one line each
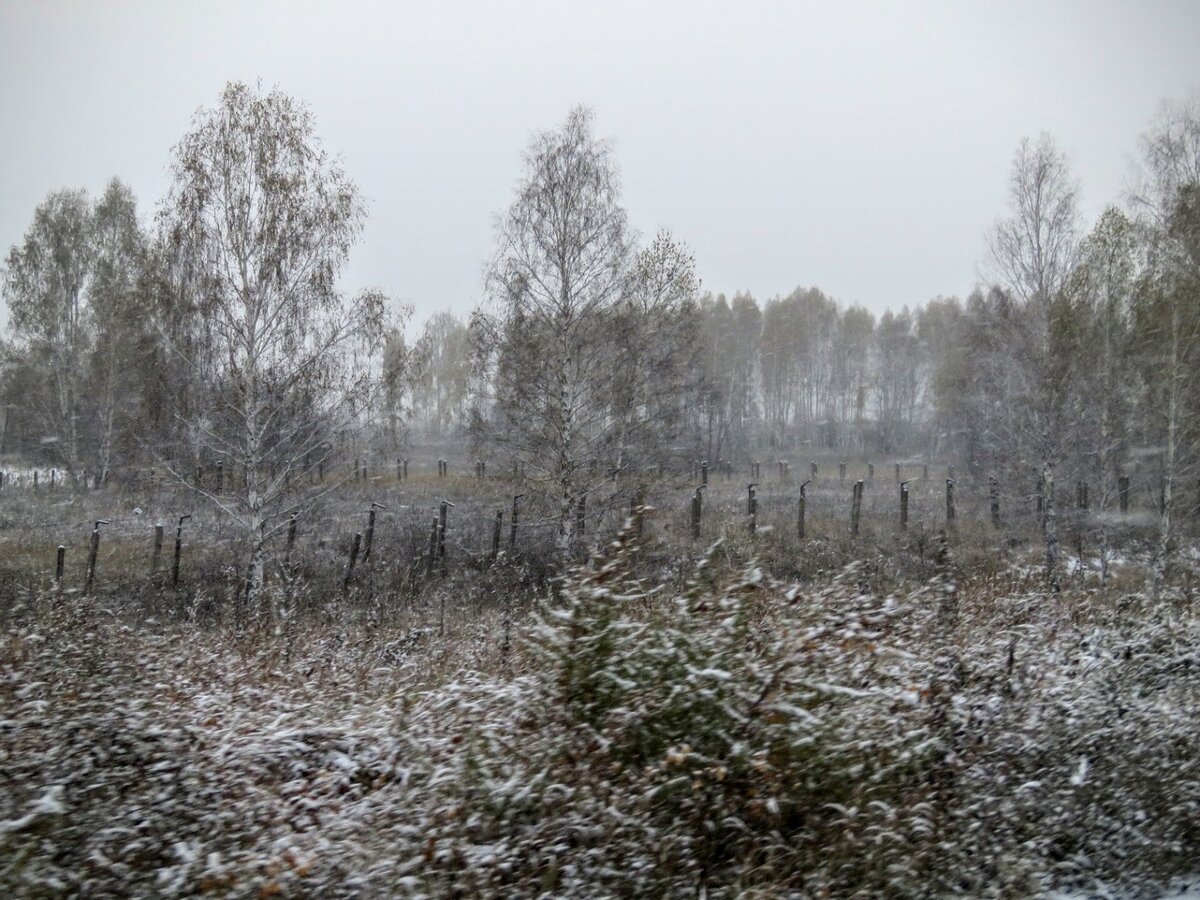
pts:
[737, 737]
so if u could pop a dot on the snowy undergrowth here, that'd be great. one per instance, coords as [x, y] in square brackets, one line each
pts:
[742, 738]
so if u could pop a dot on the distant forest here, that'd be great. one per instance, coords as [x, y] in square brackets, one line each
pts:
[1080, 352]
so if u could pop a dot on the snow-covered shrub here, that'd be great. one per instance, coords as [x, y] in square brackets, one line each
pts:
[739, 736]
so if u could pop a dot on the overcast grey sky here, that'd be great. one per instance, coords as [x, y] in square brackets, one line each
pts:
[860, 147]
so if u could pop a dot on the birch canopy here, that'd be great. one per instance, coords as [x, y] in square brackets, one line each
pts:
[260, 221]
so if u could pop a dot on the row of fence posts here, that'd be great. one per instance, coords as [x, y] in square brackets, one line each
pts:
[700, 470]
[436, 558]
[696, 518]
[94, 554]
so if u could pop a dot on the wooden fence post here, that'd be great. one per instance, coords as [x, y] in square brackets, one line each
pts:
[904, 506]
[897, 473]
[925, 472]
[870, 471]
[752, 507]
[1081, 495]
[697, 511]
[512, 528]
[704, 472]
[950, 500]
[842, 471]
[92, 554]
[178, 551]
[158, 542]
[856, 507]
[813, 470]
[370, 537]
[496, 532]
[801, 510]
[994, 497]
[59, 563]
[1123, 492]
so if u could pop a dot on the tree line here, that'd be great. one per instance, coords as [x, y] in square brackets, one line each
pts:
[218, 332]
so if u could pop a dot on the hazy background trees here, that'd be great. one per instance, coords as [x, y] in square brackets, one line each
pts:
[221, 336]
[72, 290]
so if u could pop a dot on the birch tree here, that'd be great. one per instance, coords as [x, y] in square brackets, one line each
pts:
[1168, 319]
[46, 284]
[72, 289]
[572, 390]
[1033, 253]
[260, 221]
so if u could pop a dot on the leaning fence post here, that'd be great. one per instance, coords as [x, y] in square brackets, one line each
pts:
[994, 497]
[856, 507]
[496, 532]
[178, 550]
[904, 506]
[370, 529]
[91, 569]
[353, 559]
